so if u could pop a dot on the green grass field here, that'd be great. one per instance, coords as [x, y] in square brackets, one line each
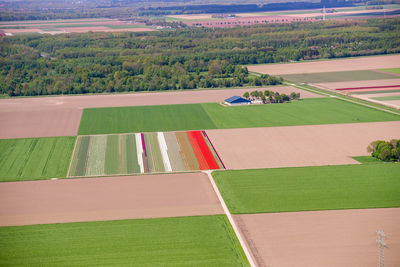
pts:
[383, 98]
[213, 116]
[368, 160]
[311, 188]
[393, 70]
[35, 158]
[339, 76]
[375, 92]
[184, 241]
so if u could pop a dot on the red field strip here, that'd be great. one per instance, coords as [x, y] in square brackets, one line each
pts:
[200, 145]
[197, 152]
[367, 87]
[220, 160]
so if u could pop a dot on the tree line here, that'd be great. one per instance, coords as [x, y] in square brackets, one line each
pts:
[269, 96]
[180, 59]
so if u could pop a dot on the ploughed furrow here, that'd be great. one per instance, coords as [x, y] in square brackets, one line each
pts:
[173, 152]
[186, 151]
[112, 156]
[80, 156]
[132, 165]
[96, 155]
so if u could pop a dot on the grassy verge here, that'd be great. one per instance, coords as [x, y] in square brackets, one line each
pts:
[213, 115]
[392, 70]
[368, 160]
[35, 158]
[386, 98]
[310, 188]
[184, 241]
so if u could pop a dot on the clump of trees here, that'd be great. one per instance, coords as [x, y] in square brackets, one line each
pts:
[270, 96]
[386, 151]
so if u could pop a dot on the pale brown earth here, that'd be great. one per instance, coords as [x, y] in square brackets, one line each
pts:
[60, 116]
[390, 103]
[292, 146]
[194, 16]
[104, 29]
[337, 85]
[114, 198]
[363, 63]
[22, 30]
[338, 13]
[322, 238]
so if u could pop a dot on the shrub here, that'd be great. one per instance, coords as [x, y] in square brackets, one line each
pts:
[386, 151]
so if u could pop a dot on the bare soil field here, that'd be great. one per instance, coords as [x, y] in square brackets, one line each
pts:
[191, 17]
[390, 103]
[322, 238]
[104, 29]
[39, 123]
[60, 116]
[114, 198]
[363, 63]
[292, 146]
[353, 84]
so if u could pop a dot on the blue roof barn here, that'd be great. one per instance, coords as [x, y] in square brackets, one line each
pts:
[237, 100]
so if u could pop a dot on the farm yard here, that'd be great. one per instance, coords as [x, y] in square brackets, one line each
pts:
[101, 155]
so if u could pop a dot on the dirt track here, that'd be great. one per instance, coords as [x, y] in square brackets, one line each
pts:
[292, 146]
[363, 63]
[95, 199]
[322, 238]
[60, 116]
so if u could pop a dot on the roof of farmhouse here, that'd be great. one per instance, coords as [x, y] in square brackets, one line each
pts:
[237, 99]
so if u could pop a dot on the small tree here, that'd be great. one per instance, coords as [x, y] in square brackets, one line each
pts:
[285, 97]
[246, 95]
[263, 98]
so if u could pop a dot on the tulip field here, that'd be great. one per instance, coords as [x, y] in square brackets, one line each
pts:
[135, 153]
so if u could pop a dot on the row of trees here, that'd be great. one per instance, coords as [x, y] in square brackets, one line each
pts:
[181, 59]
[386, 151]
[270, 96]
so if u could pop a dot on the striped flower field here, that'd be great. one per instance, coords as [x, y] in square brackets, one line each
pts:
[99, 155]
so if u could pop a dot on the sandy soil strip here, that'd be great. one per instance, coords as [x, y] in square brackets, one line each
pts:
[94, 199]
[336, 85]
[362, 63]
[60, 116]
[291, 146]
[322, 238]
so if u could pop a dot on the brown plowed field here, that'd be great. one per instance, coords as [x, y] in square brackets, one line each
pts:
[291, 146]
[94, 199]
[363, 63]
[322, 238]
[337, 85]
[60, 116]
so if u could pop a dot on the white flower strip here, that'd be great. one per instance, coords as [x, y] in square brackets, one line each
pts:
[139, 151]
[164, 153]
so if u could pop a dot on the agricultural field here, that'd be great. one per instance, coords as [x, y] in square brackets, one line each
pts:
[393, 70]
[339, 76]
[100, 155]
[35, 158]
[311, 188]
[180, 241]
[216, 116]
[107, 198]
[334, 65]
[70, 25]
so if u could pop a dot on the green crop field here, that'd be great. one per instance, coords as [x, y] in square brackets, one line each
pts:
[339, 76]
[393, 70]
[184, 241]
[311, 188]
[213, 115]
[383, 98]
[35, 158]
[144, 119]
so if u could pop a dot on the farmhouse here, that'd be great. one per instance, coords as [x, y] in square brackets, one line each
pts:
[237, 100]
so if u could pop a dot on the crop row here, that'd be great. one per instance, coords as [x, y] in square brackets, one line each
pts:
[100, 155]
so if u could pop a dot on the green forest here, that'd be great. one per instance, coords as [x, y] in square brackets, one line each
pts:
[179, 59]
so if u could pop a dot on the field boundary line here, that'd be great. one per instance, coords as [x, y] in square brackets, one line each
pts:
[345, 99]
[242, 241]
[72, 157]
